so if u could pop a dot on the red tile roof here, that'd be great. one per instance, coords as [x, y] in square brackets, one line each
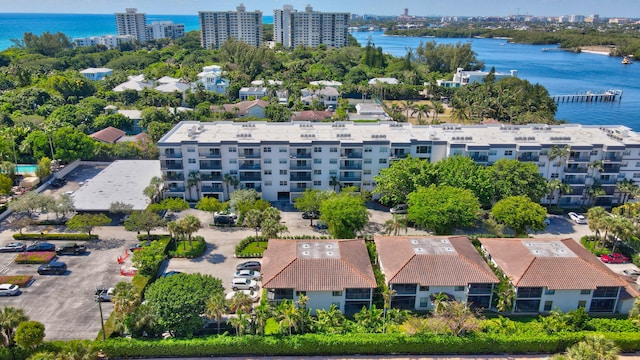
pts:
[242, 107]
[530, 263]
[454, 263]
[312, 115]
[287, 265]
[108, 135]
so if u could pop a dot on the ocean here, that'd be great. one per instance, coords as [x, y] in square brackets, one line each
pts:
[562, 73]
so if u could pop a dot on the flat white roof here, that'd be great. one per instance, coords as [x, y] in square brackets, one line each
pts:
[95, 70]
[123, 181]
[473, 135]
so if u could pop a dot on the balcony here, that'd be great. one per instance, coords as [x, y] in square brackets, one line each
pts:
[350, 178]
[612, 158]
[174, 189]
[576, 191]
[250, 177]
[608, 181]
[351, 154]
[480, 158]
[301, 155]
[296, 189]
[576, 170]
[581, 158]
[350, 166]
[171, 155]
[611, 169]
[173, 166]
[210, 155]
[213, 188]
[210, 165]
[249, 154]
[300, 167]
[250, 166]
[578, 180]
[399, 155]
[209, 177]
[529, 157]
[300, 177]
[174, 177]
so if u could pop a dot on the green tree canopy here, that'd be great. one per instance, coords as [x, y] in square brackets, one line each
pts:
[143, 221]
[514, 178]
[179, 300]
[311, 200]
[402, 178]
[345, 214]
[29, 334]
[519, 213]
[441, 208]
[87, 222]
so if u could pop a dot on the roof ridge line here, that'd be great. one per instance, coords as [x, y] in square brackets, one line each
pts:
[264, 283]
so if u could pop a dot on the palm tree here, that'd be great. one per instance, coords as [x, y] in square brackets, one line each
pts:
[596, 167]
[261, 314]
[216, 306]
[330, 321]
[438, 108]
[440, 301]
[240, 302]
[240, 322]
[190, 224]
[557, 152]
[562, 189]
[10, 318]
[395, 224]
[287, 315]
[594, 218]
[422, 109]
[593, 347]
[408, 105]
[595, 191]
[194, 181]
[126, 298]
[506, 295]
[230, 181]
[77, 350]
[622, 228]
[334, 183]
[303, 312]
[253, 219]
[387, 295]
[626, 187]
[552, 186]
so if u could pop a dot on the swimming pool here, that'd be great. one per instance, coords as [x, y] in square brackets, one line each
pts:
[26, 169]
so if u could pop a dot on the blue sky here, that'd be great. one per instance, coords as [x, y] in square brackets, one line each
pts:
[605, 8]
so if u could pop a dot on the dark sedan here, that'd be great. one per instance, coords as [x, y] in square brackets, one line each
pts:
[52, 268]
[249, 265]
[43, 246]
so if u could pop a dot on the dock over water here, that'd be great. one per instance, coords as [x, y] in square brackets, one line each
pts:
[589, 96]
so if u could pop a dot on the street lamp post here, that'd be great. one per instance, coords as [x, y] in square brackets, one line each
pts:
[97, 299]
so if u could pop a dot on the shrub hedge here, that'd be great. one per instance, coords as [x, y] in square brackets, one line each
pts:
[348, 344]
[240, 253]
[54, 236]
[177, 249]
[143, 237]
[39, 257]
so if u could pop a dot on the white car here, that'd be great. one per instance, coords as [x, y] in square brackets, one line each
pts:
[9, 290]
[577, 218]
[243, 284]
[249, 274]
[253, 295]
[399, 209]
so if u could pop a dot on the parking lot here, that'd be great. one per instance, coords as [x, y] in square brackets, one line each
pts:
[66, 306]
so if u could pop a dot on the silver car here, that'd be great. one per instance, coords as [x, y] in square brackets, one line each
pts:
[249, 274]
[9, 290]
[243, 284]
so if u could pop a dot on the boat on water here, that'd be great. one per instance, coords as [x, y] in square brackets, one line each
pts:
[626, 61]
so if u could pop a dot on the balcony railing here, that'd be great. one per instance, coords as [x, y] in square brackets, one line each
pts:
[206, 188]
[611, 169]
[205, 177]
[608, 181]
[296, 189]
[534, 158]
[356, 166]
[615, 158]
[210, 165]
[210, 155]
[300, 167]
[574, 181]
[301, 155]
[248, 155]
[351, 155]
[350, 178]
[172, 155]
[250, 166]
[175, 177]
[300, 177]
[249, 177]
[576, 170]
[579, 158]
[175, 189]
[480, 158]
[173, 166]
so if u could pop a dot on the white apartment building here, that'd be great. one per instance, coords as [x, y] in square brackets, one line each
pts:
[110, 41]
[462, 77]
[164, 29]
[218, 26]
[310, 28]
[282, 160]
[132, 23]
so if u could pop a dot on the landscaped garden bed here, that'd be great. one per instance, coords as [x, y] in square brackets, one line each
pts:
[38, 257]
[251, 247]
[182, 248]
[20, 280]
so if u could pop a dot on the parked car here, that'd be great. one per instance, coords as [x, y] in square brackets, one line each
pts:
[631, 272]
[171, 273]
[9, 290]
[42, 246]
[320, 225]
[71, 249]
[315, 215]
[614, 258]
[253, 295]
[104, 294]
[399, 209]
[52, 268]
[13, 247]
[224, 220]
[243, 284]
[547, 221]
[577, 218]
[249, 265]
[139, 246]
[249, 274]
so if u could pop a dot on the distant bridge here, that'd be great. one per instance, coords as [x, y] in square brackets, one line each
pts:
[589, 96]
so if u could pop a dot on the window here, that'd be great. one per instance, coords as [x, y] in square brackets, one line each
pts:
[548, 305]
[404, 288]
[233, 161]
[367, 161]
[529, 292]
[366, 171]
[283, 161]
[424, 302]
[368, 149]
[267, 161]
[638, 164]
[456, 152]
[423, 149]
[317, 172]
[192, 161]
[300, 293]
[355, 294]
[549, 291]
[366, 183]
[333, 172]
[382, 161]
[333, 161]
[232, 149]
[458, 288]
[283, 149]
[636, 175]
[585, 292]
[283, 183]
[626, 152]
[317, 183]
[191, 149]
[424, 288]
[267, 172]
[608, 292]
[317, 161]
[492, 152]
[595, 153]
[283, 172]
[384, 149]
[508, 152]
[333, 149]
[336, 293]
[554, 175]
[267, 149]
[582, 304]
[233, 172]
[268, 183]
[317, 149]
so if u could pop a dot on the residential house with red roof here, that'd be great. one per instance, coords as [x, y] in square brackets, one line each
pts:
[109, 135]
[550, 274]
[420, 267]
[326, 271]
[242, 109]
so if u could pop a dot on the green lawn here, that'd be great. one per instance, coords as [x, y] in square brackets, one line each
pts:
[255, 247]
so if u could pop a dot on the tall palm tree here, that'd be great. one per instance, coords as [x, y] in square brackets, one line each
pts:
[552, 186]
[408, 106]
[438, 108]
[261, 314]
[240, 322]
[190, 224]
[216, 307]
[303, 312]
[422, 109]
[334, 183]
[240, 302]
[10, 318]
[595, 191]
[394, 225]
[562, 189]
[193, 180]
[506, 295]
[625, 188]
[287, 315]
[594, 218]
[622, 228]
[557, 152]
[387, 295]
[230, 181]
[253, 219]
[593, 347]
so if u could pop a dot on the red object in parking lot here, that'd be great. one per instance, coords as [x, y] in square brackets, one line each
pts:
[614, 258]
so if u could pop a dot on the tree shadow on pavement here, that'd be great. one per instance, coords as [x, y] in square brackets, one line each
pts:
[105, 244]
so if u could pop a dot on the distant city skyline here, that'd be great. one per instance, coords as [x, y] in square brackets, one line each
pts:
[611, 8]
